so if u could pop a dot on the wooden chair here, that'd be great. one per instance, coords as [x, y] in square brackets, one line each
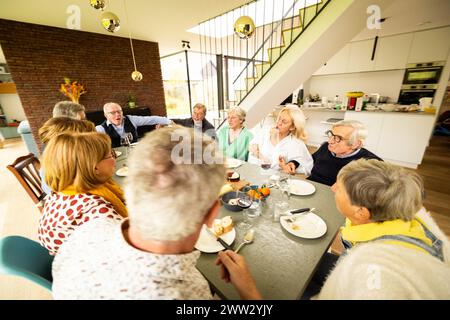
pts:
[26, 170]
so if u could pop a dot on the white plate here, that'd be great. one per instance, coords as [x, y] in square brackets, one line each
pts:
[307, 225]
[301, 188]
[133, 144]
[122, 172]
[231, 163]
[209, 244]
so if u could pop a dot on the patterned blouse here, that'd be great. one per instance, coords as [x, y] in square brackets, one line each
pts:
[98, 263]
[62, 214]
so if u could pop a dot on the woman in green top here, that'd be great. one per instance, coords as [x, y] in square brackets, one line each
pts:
[234, 138]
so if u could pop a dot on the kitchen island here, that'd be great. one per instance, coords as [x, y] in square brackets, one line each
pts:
[397, 137]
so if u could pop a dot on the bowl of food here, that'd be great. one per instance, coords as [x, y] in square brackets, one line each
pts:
[230, 200]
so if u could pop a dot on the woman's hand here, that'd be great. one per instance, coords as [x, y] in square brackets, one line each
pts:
[289, 167]
[233, 268]
[254, 150]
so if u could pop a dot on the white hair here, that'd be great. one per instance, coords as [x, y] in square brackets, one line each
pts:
[359, 133]
[106, 105]
[168, 200]
[241, 114]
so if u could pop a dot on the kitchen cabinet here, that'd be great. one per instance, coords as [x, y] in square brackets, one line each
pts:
[392, 52]
[360, 56]
[337, 64]
[430, 45]
[404, 138]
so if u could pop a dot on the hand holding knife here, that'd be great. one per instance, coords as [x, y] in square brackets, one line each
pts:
[219, 239]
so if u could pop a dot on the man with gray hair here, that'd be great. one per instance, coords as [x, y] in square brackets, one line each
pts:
[69, 109]
[345, 144]
[151, 254]
[117, 125]
[198, 121]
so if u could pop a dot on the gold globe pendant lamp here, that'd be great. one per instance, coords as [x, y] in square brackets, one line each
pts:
[135, 75]
[98, 4]
[244, 27]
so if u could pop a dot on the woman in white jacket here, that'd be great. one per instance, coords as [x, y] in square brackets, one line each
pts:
[283, 146]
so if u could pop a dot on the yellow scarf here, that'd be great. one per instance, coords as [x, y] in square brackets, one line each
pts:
[110, 191]
[370, 231]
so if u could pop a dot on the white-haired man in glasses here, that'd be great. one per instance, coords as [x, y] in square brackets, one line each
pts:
[345, 144]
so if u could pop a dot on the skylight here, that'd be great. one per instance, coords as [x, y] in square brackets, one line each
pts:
[262, 12]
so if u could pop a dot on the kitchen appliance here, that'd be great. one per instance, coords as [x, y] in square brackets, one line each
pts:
[423, 73]
[411, 94]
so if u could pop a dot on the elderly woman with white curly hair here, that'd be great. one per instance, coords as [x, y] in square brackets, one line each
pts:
[151, 255]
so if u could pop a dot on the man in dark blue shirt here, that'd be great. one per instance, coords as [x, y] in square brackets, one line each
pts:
[345, 144]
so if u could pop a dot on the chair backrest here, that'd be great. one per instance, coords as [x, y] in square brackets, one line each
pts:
[26, 258]
[26, 170]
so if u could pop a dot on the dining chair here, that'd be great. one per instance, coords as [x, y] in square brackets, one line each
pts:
[26, 258]
[26, 170]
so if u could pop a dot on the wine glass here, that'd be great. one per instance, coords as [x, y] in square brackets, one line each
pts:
[266, 164]
[125, 142]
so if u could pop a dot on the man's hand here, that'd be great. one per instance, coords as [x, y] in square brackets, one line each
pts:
[289, 168]
[233, 268]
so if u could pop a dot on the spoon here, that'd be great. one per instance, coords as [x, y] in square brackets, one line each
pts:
[248, 238]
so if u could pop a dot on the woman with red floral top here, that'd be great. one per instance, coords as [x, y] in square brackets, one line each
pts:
[78, 169]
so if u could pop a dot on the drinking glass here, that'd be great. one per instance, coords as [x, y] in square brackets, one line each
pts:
[125, 142]
[245, 202]
[265, 165]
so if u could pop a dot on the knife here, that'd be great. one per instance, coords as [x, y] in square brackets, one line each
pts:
[300, 210]
[219, 239]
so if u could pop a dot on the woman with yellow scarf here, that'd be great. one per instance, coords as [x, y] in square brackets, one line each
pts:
[78, 169]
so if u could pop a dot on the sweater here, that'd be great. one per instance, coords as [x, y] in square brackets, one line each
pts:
[327, 166]
[238, 149]
[381, 270]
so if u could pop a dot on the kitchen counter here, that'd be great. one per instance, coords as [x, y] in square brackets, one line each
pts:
[325, 109]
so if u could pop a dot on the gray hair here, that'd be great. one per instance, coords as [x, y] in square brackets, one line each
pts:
[68, 109]
[359, 133]
[110, 104]
[388, 191]
[238, 111]
[200, 106]
[168, 201]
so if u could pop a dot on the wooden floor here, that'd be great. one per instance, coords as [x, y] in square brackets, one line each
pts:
[435, 171]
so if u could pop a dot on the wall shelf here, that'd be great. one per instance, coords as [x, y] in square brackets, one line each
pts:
[7, 88]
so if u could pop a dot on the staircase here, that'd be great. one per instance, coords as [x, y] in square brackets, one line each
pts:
[282, 55]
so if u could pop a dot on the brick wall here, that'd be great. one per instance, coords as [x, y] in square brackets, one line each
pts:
[39, 57]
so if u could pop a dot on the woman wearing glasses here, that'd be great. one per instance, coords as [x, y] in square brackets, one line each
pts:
[78, 169]
[345, 144]
[283, 147]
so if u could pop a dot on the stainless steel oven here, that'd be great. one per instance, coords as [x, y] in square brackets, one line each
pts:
[410, 94]
[423, 73]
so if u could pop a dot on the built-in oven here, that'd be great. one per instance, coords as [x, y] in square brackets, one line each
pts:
[411, 94]
[423, 73]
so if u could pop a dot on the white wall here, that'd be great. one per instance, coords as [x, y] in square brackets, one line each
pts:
[12, 107]
[386, 83]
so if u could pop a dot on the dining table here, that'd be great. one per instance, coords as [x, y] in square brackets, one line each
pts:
[281, 263]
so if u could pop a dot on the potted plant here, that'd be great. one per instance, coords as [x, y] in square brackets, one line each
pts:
[131, 101]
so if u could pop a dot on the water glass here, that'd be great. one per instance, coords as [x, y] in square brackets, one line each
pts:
[280, 208]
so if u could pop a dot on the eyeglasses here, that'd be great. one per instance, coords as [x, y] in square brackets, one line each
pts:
[114, 112]
[112, 155]
[336, 138]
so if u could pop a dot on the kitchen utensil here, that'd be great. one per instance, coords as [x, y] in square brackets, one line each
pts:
[248, 238]
[219, 239]
[302, 210]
